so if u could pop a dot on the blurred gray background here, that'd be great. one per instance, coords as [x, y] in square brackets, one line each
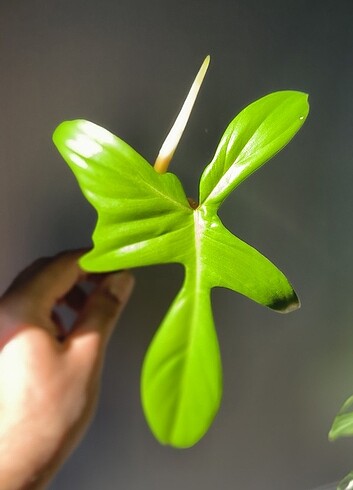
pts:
[127, 65]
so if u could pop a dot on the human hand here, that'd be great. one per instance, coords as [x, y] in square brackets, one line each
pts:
[49, 379]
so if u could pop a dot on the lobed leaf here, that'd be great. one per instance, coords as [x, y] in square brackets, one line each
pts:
[144, 218]
[256, 134]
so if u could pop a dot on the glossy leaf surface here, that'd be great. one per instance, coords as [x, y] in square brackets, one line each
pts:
[144, 218]
[253, 137]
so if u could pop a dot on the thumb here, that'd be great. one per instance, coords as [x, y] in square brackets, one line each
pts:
[98, 317]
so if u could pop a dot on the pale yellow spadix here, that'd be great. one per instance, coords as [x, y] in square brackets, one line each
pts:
[171, 142]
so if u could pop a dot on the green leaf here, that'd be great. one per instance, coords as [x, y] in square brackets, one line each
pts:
[343, 423]
[144, 218]
[181, 376]
[342, 426]
[256, 134]
[346, 483]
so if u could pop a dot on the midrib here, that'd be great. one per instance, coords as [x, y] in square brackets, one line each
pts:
[192, 281]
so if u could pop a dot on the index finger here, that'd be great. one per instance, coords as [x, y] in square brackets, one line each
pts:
[49, 280]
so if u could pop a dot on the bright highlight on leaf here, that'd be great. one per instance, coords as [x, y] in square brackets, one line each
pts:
[144, 218]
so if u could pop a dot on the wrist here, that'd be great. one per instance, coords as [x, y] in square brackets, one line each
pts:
[27, 462]
[17, 471]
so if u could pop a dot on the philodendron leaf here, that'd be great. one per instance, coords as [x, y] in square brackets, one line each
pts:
[144, 218]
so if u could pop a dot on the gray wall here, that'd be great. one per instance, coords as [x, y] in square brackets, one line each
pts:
[127, 65]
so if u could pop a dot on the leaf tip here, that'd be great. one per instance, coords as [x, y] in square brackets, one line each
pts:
[58, 132]
[338, 430]
[287, 304]
[332, 436]
[306, 106]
